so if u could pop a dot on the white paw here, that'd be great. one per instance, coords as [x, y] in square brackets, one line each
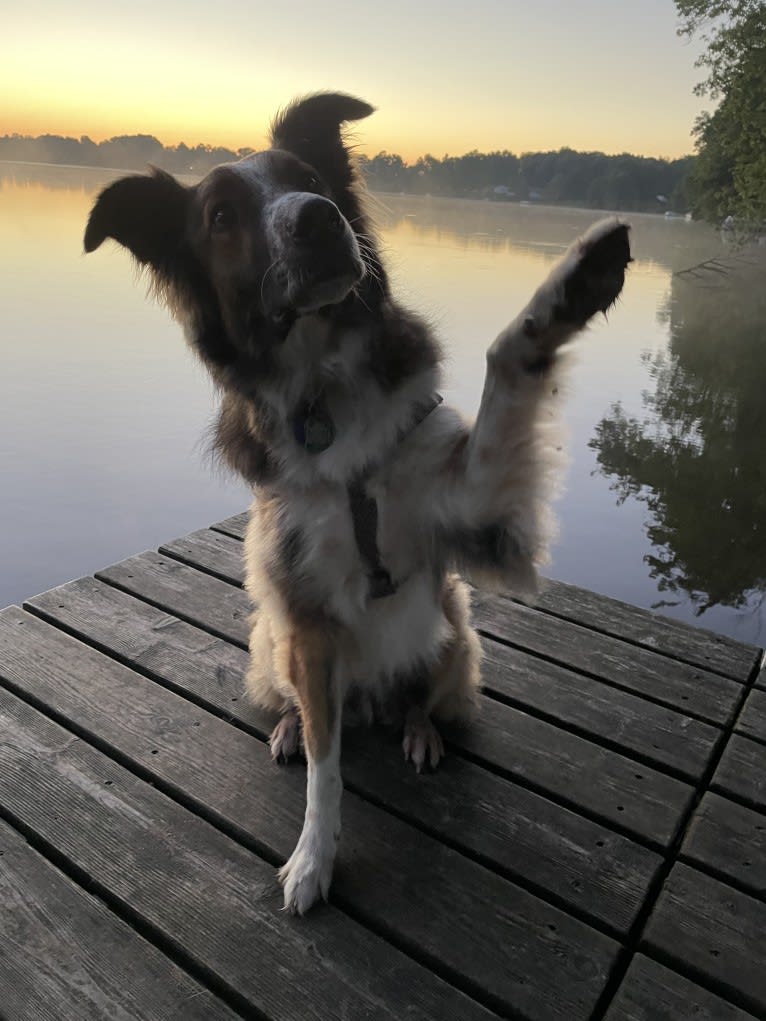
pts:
[285, 740]
[306, 877]
[421, 741]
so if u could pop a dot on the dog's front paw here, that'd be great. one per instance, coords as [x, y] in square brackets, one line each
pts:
[306, 877]
[422, 741]
[286, 738]
[593, 272]
[587, 280]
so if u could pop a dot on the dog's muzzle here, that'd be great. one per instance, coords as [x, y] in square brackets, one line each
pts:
[316, 253]
[316, 222]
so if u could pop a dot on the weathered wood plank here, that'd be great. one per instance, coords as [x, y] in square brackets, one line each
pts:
[613, 788]
[662, 736]
[651, 992]
[661, 634]
[729, 839]
[438, 902]
[752, 721]
[65, 957]
[235, 525]
[678, 685]
[742, 771]
[209, 602]
[211, 551]
[194, 885]
[601, 874]
[703, 924]
[636, 798]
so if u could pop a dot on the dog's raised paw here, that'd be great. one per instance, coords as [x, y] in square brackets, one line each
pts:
[306, 878]
[595, 280]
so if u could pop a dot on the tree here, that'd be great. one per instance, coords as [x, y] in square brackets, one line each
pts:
[729, 177]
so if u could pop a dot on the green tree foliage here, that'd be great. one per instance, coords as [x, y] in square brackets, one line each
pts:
[696, 457]
[729, 177]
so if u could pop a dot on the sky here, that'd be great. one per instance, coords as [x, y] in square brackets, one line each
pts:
[445, 76]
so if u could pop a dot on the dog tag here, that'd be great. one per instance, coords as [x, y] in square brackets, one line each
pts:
[314, 429]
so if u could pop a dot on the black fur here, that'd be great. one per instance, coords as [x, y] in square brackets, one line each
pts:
[598, 279]
[239, 440]
[146, 214]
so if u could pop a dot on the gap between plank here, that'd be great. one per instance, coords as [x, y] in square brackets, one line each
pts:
[251, 842]
[245, 839]
[202, 974]
[253, 731]
[633, 943]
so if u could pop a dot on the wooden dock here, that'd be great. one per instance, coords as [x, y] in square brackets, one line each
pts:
[594, 847]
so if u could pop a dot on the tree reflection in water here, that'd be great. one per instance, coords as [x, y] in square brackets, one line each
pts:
[697, 455]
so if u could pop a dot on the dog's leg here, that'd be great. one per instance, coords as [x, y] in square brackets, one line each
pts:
[261, 683]
[503, 476]
[314, 672]
[452, 686]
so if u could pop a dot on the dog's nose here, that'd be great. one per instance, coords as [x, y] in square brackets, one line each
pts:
[317, 218]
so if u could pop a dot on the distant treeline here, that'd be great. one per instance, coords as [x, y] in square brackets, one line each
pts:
[566, 177]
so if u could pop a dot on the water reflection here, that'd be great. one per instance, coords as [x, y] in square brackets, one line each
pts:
[538, 230]
[696, 456]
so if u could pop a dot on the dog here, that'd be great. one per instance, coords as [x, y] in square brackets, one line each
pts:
[374, 501]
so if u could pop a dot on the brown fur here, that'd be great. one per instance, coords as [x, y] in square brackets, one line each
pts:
[306, 658]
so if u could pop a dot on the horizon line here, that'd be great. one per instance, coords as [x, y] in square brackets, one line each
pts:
[356, 148]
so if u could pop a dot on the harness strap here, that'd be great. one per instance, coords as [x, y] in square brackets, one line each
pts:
[314, 430]
[364, 513]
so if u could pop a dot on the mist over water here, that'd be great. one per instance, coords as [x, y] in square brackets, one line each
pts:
[103, 411]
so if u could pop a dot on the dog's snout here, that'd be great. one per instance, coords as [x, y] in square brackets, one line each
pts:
[316, 218]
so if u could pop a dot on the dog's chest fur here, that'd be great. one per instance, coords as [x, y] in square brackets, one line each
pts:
[301, 542]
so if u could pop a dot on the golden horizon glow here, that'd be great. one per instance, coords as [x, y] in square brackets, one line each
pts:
[444, 79]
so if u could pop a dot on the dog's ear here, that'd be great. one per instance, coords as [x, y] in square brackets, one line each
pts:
[311, 129]
[145, 213]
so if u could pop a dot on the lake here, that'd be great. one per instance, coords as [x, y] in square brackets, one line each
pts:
[104, 412]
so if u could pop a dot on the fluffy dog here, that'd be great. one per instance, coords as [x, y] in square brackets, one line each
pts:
[372, 498]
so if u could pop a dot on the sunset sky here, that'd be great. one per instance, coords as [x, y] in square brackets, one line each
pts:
[446, 76]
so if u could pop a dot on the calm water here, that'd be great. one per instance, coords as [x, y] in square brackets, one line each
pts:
[103, 412]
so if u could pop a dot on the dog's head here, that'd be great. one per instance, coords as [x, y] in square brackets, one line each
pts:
[257, 243]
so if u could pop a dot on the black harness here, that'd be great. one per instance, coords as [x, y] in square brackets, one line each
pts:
[314, 430]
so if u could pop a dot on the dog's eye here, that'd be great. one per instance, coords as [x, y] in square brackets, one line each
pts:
[224, 216]
[313, 184]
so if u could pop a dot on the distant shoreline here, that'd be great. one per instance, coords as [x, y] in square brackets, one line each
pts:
[588, 180]
[373, 191]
